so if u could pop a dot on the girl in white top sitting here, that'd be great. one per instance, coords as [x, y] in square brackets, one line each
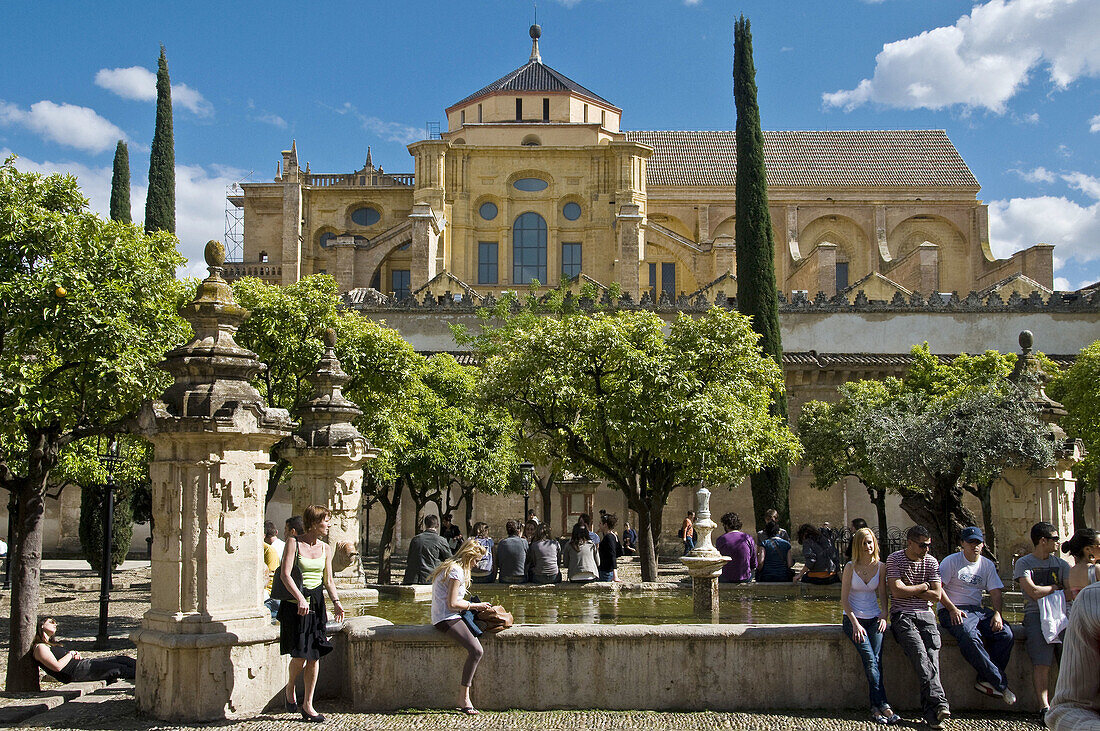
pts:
[450, 581]
[864, 601]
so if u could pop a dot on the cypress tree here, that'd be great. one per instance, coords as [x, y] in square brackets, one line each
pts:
[120, 185]
[756, 289]
[160, 204]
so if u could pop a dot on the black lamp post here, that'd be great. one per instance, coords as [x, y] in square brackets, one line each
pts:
[526, 475]
[110, 460]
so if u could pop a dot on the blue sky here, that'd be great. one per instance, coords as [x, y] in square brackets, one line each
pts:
[1016, 84]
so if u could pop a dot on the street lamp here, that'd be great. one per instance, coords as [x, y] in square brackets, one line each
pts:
[110, 458]
[526, 475]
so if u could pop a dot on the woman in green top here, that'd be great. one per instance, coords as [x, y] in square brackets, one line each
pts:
[303, 619]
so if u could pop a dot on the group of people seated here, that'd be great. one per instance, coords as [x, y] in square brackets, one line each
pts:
[535, 556]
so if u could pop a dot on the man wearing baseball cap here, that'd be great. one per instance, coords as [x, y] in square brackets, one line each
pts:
[984, 638]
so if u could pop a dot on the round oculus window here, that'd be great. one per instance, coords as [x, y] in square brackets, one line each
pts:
[365, 216]
[530, 185]
[488, 210]
[571, 211]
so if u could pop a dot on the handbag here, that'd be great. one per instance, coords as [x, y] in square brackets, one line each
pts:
[495, 619]
[1052, 615]
[470, 619]
[279, 590]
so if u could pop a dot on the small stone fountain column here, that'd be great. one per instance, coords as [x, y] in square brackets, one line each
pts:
[327, 453]
[704, 563]
[206, 647]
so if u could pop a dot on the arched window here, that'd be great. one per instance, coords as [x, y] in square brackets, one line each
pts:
[529, 249]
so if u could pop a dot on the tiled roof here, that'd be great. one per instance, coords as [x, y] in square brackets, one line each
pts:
[823, 158]
[534, 76]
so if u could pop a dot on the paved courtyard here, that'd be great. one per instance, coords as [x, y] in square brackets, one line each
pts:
[69, 590]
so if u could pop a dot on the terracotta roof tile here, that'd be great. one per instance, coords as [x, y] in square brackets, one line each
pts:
[824, 158]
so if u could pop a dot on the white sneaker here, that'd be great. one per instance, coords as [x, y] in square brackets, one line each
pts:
[987, 688]
[1008, 696]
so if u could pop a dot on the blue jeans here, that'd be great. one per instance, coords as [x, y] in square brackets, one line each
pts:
[974, 636]
[870, 652]
[607, 576]
[273, 607]
[689, 544]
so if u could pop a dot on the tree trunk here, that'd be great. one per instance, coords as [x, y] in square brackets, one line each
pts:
[647, 549]
[391, 506]
[878, 499]
[942, 513]
[468, 497]
[545, 492]
[1079, 521]
[274, 477]
[985, 495]
[26, 548]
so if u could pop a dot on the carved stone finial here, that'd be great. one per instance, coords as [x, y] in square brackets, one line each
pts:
[1027, 340]
[214, 253]
[329, 336]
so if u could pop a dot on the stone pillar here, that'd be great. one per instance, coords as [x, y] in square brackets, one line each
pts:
[206, 647]
[704, 563]
[631, 249]
[929, 268]
[327, 453]
[292, 178]
[343, 249]
[425, 246]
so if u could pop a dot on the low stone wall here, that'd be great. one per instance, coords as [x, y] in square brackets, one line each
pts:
[723, 667]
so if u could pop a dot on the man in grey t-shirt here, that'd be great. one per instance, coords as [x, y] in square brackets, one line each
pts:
[511, 556]
[1040, 573]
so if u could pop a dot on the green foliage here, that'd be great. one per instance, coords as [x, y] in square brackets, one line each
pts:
[756, 286]
[120, 185]
[1078, 388]
[160, 202]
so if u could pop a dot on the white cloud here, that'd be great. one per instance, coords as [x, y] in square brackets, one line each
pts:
[1061, 284]
[1038, 175]
[200, 200]
[272, 119]
[1018, 223]
[66, 124]
[985, 58]
[389, 131]
[1094, 124]
[1087, 184]
[138, 83]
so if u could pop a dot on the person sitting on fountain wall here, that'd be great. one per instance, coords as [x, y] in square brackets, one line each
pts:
[1040, 573]
[512, 556]
[820, 561]
[739, 547]
[774, 555]
[984, 638]
[531, 516]
[609, 548]
[1085, 549]
[450, 532]
[427, 550]
[450, 580]
[530, 529]
[630, 540]
[303, 620]
[484, 571]
[544, 557]
[913, 576]
[593, 536]
[581, 562]
[771, 515]
[1076, 702]
[857, 524]
[68, 666]
[864, 601]
[687, 532]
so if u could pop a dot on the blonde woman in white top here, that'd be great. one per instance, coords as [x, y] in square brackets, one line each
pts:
[450, 580]
[864, 601]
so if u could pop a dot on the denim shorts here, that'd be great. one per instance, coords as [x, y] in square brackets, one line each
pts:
[1039, 650]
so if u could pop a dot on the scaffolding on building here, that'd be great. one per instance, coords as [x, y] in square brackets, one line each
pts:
[234, 220]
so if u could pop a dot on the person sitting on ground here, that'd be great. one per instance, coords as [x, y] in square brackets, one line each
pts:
[687, 532]
[67, 666]
[427, 550]
[913, 576]
[1039, 574]
[864, 601]
[450, 532]
[983, 637]
[1085, 549]
[630, 540]
[609, 548]
[450, 581]
[771, 515]
[774, 555]
[483, 572]
[544, 557]
[739, 547]
[1076, 702]
[512, 556]
[820, 561]
[581, 562]
[857, 524]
